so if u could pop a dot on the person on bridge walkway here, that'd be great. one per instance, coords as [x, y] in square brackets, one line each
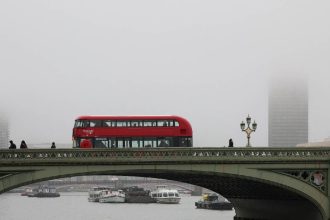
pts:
[23, 145]
[231, 143]
[12, 145]
[53, 145]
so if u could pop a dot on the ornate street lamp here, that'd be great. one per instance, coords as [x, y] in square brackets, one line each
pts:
[248, 130]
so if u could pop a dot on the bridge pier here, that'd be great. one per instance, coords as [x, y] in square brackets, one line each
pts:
[251, 209]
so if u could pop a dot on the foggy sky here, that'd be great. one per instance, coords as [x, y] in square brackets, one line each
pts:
[208, 61]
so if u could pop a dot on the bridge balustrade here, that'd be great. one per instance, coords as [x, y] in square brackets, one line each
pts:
[273, 154]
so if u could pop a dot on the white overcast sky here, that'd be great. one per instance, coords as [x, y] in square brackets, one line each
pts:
[208, 61]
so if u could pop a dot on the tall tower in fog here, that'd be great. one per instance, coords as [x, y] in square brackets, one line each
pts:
[4, 132]
[288, 112]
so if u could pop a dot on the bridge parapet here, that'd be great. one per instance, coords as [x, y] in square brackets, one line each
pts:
[221, 155]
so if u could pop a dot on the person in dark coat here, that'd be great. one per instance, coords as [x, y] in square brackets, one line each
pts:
[53, 145]
[231, 143]
[23, 145]
[12, 145]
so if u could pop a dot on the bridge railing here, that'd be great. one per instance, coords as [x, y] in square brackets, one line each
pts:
[198, 155]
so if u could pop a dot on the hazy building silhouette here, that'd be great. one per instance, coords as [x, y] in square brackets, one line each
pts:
[4, 132]
[288, 112]
[324, 143]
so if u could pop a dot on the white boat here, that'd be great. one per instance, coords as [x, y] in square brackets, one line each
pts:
[95, 192]
[112, 196]
[165, 195]
[43, 192]
[27, 191]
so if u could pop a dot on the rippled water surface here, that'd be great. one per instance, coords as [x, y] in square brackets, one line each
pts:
[74, 206]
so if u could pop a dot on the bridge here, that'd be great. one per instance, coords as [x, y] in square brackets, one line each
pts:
[262, 183]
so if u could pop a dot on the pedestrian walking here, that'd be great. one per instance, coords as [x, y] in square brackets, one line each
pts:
[23, 145]
[231, 143]
[12, 145]
[53, 145]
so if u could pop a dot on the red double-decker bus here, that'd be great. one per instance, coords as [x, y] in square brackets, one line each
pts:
[131, 132]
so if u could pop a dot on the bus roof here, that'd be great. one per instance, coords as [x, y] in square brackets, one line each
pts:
[181, 120]
[131, 117]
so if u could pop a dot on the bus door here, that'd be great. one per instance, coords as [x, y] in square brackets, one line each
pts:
[101, 143]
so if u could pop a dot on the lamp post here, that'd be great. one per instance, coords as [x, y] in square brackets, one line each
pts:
[248, 130]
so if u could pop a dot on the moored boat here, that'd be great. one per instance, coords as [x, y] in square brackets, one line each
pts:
[27, 191]
[112, 196]
[213, 201]
[44, 192]
[95, 192]
[165, 195]
[136, 194]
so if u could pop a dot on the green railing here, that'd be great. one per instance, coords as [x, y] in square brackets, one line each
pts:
[200, 155]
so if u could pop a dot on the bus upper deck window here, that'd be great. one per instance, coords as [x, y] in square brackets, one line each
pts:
[162, 123]
[109, 123]
[78, 124]
[85, 124]
[171, 123]
[95, 123]
[149, 123]
[92, 124]
[166, 123]
[136, 123]
[121, 123]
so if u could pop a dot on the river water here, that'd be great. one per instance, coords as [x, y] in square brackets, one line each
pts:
[74, 206]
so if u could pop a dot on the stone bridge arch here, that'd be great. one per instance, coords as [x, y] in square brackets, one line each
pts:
[255, 191]
[262, 183]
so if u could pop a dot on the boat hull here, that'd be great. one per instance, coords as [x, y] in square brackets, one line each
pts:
[170, 200]
[44, 195]
[112, 199]
[140, 199]
[93, 199]
[214, 201]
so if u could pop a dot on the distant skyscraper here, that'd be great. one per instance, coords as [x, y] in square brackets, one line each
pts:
[288, 112]
[4, 132]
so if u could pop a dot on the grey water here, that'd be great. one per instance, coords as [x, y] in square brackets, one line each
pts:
[74, 206]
